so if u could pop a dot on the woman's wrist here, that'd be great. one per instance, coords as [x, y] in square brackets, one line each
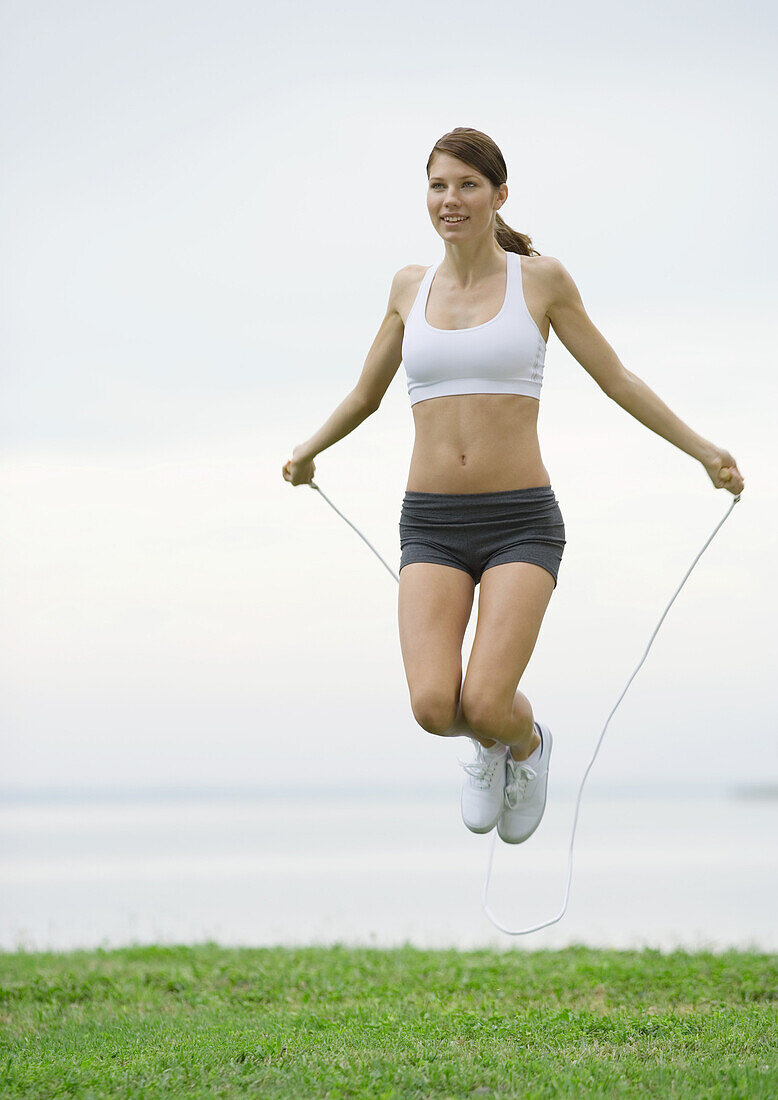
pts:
[303, 452]
[708, 452]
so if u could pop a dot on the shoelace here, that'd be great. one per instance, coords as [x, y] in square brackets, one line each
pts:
[516, 787]
[480, 770]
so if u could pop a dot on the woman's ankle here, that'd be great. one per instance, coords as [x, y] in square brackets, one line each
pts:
[518, 753]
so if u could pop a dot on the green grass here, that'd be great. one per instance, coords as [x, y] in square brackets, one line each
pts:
[208, 1021]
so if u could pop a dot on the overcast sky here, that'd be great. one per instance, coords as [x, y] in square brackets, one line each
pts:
[204, 206]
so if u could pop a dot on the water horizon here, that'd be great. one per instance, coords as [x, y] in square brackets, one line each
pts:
[106, 866]
[149, 792]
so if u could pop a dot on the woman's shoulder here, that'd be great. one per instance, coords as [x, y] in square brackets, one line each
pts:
[549, 276]
[543, 265]
[554, 278]
[411, 273]
[405, 286]
[547, 267]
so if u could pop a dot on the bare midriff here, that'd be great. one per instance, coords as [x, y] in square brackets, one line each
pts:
[476, 443]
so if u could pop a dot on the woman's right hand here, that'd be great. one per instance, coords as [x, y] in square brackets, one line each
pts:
[299, 469]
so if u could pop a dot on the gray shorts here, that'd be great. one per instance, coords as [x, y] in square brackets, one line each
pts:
[473, 531]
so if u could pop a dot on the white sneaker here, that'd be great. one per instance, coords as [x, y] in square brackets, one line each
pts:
[526, 782]
[482, 791]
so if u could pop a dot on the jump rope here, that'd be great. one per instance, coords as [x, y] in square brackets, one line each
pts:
[561, 913]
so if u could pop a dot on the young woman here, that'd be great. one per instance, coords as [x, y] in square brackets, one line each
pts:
[472, 332]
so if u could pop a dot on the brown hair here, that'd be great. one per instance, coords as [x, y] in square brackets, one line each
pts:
[478, 151]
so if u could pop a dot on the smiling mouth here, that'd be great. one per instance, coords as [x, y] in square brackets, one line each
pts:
[454, 220]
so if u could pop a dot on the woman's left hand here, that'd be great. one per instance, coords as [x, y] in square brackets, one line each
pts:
[723, 472]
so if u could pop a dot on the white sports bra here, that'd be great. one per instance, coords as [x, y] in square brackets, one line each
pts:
[503, 355]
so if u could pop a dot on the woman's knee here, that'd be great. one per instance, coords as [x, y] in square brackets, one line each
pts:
[484, 712]
[434, 710]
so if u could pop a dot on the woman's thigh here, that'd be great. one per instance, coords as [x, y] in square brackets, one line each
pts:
[434, 606]
[512, 602]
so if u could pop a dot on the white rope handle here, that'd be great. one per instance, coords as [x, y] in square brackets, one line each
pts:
[561, 913]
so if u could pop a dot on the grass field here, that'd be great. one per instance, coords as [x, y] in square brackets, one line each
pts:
[208, 1021]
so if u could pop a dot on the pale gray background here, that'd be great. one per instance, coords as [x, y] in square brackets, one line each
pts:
[203, 209]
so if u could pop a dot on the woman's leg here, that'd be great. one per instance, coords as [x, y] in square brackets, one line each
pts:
[434, 606]
[512, 602]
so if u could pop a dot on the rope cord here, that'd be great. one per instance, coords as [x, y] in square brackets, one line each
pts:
[561, 913]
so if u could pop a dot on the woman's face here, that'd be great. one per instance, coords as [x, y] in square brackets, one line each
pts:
[457, 191]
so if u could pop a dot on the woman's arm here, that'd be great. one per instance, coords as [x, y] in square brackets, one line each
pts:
[349, 415]
[380, 367]
[583, 340]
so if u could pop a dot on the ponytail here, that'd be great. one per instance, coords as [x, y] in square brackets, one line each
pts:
[511, 240]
